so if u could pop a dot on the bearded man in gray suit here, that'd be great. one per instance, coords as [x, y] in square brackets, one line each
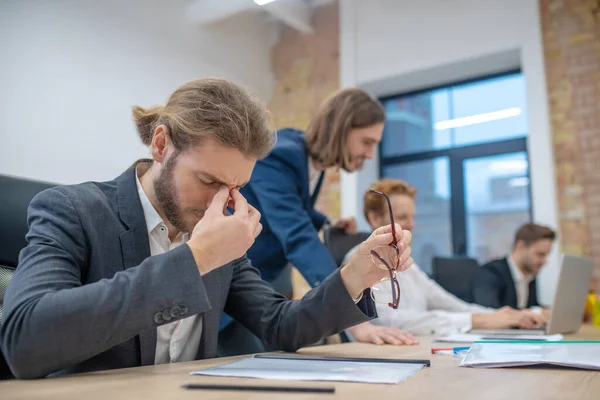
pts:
[138, 270]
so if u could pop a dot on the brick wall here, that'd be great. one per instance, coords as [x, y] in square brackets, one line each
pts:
[571, 39]
[306, 69]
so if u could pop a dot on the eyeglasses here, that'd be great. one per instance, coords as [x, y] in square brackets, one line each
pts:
[387, 258]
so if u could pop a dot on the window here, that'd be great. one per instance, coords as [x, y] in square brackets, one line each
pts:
[456, 116]
[464, 148]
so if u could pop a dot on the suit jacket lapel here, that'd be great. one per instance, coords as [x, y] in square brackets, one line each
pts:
[313, 197]
[305, 180]
[135, 246]
[511, 291]
[532, 300]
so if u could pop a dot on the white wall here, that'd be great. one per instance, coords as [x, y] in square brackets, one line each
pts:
[70, 70]
[394, 46]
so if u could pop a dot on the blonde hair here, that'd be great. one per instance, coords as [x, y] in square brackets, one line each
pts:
[210, 108]
[328, 130]
[376, 203]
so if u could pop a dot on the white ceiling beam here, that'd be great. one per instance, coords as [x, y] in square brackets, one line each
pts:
[294, 13]
[206, 12]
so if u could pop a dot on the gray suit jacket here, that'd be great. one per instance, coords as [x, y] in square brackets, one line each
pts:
[88, 296]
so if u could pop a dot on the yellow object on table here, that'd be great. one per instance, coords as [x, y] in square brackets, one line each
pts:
[592, 307]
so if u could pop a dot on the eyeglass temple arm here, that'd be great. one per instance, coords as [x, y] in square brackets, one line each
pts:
[389, 203]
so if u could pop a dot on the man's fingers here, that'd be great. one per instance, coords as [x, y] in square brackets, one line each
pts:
[350, 227]
[257, 230]
[405, 337]
[254, 220]
[408, 336]
[241, 205]
[375, 240]
[403, 237]
[405, 255]
[377, 340]
[538, 319]
[534, 318]
[388, 229]
[406, 237]
[219, 201]
[525, 322]
[390, 339]
[407, 264]
[396, 337]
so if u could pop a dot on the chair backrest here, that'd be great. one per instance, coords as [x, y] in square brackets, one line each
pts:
[6, 274]
[14, 201]
[339, 243]
[455, 274]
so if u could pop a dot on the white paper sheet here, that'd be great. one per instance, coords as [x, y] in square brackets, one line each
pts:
[343, 371]
[470, 337]
[495, 355]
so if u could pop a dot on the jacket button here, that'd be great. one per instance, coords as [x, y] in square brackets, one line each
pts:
[158, 318]
[166, 315]
[183, 310]
[175, 312]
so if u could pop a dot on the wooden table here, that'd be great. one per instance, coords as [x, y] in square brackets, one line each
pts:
[443, 380]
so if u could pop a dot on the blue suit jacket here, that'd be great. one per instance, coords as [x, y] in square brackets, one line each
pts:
[279, 189]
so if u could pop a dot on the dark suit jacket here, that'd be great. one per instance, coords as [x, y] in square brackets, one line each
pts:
[493, 286]
[88, 296]
[279, 189]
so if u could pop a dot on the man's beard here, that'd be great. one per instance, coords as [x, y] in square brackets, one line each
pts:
[164, 189]
[357, 163]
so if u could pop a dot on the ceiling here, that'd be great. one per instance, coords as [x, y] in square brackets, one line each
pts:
[294, 13]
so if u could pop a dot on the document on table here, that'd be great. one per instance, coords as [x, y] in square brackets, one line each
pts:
[295, 368]
[470, 337]
[497, 354]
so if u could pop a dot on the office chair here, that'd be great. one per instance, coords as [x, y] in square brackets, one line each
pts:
[455, 274]
[6, 274]
[16, 196]
[339, 244]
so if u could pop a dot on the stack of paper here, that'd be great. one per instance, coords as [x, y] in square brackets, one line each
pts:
[296, 368]
[470, 337]
[495, 354]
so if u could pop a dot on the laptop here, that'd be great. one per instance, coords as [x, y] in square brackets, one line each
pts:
[569, 300]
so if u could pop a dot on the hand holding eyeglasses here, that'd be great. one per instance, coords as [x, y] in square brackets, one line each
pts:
[377, 259]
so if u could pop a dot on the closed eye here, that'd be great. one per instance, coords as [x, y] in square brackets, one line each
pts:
[207, 183]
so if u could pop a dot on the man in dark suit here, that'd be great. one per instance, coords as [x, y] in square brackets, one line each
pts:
[511, 281]
[138, 270]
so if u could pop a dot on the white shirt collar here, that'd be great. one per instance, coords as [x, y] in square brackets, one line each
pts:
[153, 220]
[515, 271]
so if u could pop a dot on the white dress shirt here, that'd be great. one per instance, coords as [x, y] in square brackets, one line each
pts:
[425, 308]
[176, 341]
[521, 283]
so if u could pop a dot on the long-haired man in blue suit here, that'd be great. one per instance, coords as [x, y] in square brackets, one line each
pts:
[284, 187]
